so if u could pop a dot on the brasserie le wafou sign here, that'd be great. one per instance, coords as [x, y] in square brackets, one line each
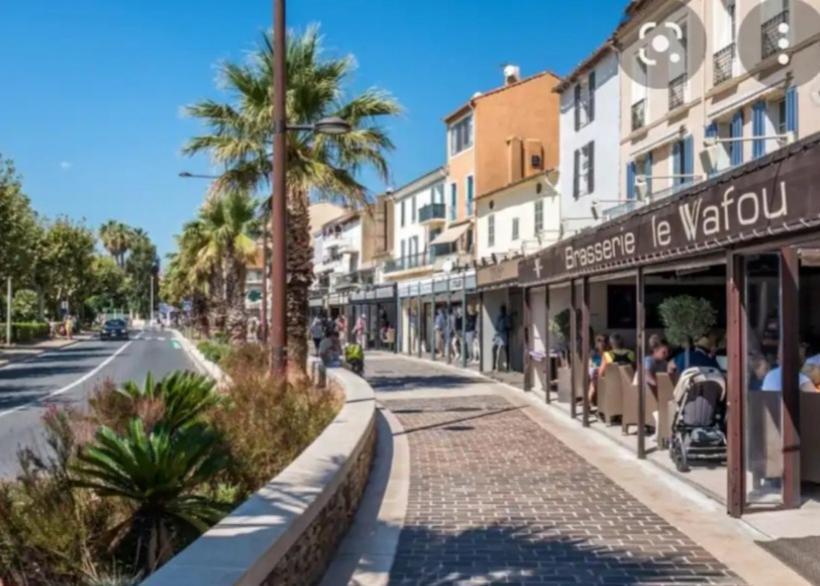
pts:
[781, 195]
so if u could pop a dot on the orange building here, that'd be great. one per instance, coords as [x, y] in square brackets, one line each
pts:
[496, 139]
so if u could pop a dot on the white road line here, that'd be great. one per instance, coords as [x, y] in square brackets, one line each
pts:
[79, 381]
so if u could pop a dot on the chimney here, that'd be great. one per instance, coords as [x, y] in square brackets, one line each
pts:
[512, 74]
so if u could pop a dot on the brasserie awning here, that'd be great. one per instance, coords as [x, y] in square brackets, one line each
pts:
[452, 234]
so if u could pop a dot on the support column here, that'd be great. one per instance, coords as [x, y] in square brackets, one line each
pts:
[399, 318]
[527, 340]
[480, 326]
[448, 324]
[640, 313]
[573, 350]
[735, 476]
[464, 322]
[790, 368]
[585, 349]
[548, 344]
[419, 306]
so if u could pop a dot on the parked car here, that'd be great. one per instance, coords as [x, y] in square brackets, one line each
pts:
[114, 329]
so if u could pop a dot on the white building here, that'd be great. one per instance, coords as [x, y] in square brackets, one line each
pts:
[590, 139]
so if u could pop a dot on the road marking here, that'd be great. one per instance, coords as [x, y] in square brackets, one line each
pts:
[176, 345]
[79, 381]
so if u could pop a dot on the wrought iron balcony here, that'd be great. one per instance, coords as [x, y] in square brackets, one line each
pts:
[433, 212]
[770, 34]
[677, 92]
[621, 209]
[639, 114]
[404, 263]
[724, 64]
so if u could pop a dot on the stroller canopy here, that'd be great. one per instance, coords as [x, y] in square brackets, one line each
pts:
[695, 376]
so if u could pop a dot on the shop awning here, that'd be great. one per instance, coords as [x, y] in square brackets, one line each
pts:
[450, 235]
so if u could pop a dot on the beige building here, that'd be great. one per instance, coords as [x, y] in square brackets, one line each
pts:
[724, 73]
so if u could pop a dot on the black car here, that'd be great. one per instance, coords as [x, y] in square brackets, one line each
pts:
[114, 329]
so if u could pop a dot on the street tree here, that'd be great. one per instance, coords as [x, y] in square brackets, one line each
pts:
[240, 138]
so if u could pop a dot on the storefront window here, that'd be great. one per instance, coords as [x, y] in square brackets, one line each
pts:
[763, 381]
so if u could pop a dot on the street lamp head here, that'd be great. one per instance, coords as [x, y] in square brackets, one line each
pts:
[332, 125]
[185, 174]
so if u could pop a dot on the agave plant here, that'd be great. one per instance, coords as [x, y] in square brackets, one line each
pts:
[183, 395]
[161, 474]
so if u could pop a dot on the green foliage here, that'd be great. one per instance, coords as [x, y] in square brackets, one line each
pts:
[158, 473]
[24, 333]
[213, 350]
[25, 305]
[686, 318]
[19, 228]
[559, 326]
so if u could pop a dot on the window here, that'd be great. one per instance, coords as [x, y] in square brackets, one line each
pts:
[491, 230]
[585, 101]
[413, 210]
[583, 180]
[402, 214]
[403, 249]
[461, 135]
[438, 193]
[515, 229]
[782, 118]
[453, 201]
[414, 246]
[683, 155]
[470, 195]
[539, 216]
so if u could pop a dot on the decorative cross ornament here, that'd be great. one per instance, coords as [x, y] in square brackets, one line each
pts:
[537, 266]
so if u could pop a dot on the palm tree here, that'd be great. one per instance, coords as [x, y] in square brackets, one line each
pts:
[159, 474]
[241, 137]
[116, 238]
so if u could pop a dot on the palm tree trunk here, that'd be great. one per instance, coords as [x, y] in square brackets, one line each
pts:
[300, 277]
[237, 321]
[218, 305]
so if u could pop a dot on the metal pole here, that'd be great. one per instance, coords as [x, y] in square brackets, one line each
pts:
[573, 350]
[151, 301]
[448, 322]
[642, 388]
[585, 344]
[464, 323]
[547, 343]
[8, 312]
[278, 199]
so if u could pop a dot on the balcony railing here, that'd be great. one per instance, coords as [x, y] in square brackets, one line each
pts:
[621, 209]
[433, 211]
[724, 64]
[639, 114]
[771, 35]
[677, 92]
[348, 280]
[404, 263]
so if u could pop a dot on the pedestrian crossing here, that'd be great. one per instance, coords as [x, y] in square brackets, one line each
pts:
[155, 338]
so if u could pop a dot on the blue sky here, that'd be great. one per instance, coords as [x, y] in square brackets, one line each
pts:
[93, 89]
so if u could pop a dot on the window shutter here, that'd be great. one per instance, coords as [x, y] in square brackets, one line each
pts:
[791, 110]
[689, 158]
[630, 181]
[591, 96]
[576, 175]
[677, 153]
[647, 171]
[577, 107]
[759, 129]
[591, 167]
[736, 148]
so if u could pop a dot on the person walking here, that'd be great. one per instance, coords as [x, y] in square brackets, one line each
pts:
[341, 328]
[440, 327]
[360, 331]
[317, 331]
[501, 340]
[469, 334]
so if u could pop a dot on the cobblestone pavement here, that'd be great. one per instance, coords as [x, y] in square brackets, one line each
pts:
[494, 498]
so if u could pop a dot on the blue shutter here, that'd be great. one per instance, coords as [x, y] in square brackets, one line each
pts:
[759, 129]
[647, 171]
[736, 148]
[711, 132]
[689, 158]
[677, 153]
[791, 110]
[630, 181]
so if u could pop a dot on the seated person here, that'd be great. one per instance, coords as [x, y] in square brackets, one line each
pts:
[330, 349]
[698, 356]
[617, 354]
[758, 369]
[656, 361]
[774, 381]
[596, 359]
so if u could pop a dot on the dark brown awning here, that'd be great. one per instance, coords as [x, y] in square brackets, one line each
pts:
[773, 195]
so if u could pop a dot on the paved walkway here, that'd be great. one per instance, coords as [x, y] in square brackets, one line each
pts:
[492, 496]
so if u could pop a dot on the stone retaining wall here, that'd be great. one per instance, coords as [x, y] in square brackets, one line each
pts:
[288, 532]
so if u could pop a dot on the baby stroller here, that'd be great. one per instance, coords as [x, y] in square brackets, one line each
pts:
[698, 422]
[354, 358]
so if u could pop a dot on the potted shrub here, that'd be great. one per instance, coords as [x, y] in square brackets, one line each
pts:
[686, 318]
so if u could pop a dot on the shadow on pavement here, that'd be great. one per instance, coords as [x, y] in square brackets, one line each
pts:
[399, 382]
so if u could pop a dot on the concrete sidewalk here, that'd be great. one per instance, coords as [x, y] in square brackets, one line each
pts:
[500, 489]
[17, 353]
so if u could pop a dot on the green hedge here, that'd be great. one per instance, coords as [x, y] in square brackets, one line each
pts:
[25, 332]
[213, 350]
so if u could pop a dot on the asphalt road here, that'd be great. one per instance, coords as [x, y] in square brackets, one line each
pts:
[67, 377]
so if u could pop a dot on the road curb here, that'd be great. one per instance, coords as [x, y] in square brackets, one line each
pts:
[208, 367]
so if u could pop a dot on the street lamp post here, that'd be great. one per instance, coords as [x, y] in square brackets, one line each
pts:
[278, 336]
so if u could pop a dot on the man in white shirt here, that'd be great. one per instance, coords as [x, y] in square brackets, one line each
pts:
[774, 382]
